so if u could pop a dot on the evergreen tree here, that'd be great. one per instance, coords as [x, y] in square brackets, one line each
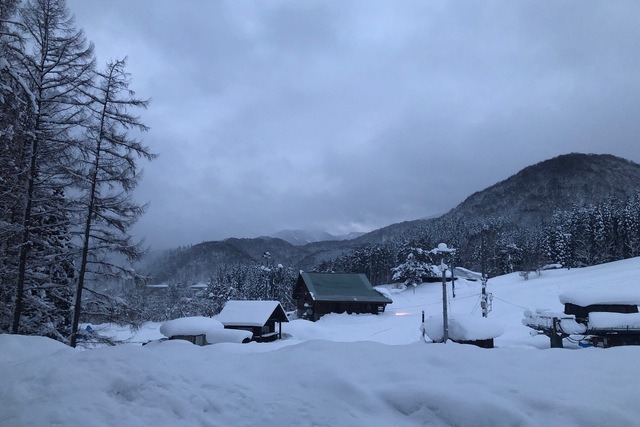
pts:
[417, 266]
[110, 156]
[58, 66]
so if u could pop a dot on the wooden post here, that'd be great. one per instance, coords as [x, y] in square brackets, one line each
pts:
[556, 340]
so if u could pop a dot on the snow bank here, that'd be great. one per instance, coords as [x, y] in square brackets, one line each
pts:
[321, 383]
[20, 348]
[463, 328]
[189, 326]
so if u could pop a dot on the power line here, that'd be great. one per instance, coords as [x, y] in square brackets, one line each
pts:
[510, 303]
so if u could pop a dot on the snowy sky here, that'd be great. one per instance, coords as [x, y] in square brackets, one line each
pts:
[349, 116]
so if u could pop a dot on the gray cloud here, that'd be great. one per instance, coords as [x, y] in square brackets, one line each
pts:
[355, 115]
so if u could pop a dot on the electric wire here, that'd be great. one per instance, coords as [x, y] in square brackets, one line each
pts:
[510, 303]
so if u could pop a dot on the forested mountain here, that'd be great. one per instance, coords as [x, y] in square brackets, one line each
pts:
[512, 217]
[533, 195]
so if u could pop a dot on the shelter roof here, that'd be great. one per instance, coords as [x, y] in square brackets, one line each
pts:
[340, 287]
[251, 313]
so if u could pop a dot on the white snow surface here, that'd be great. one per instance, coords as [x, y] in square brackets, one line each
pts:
[189, 326]
[247, 313]
[343, 370]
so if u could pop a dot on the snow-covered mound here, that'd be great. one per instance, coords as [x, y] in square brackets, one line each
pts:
[196, 325]
[362, 370]
[463, 328]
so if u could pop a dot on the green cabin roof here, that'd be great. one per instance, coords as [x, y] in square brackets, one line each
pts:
[339, 287]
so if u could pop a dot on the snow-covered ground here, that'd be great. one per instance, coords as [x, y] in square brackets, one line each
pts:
[341, 371]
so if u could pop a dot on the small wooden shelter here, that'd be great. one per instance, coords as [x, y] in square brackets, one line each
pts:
[318, 294]
[258, 317]
[604, 317]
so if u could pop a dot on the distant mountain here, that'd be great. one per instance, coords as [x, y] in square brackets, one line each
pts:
[532, 195]
[527, 199]
[303, 237]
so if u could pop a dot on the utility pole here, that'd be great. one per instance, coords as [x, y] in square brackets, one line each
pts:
[453, 277]
[445, 318]
[486, 298]
[443, 250]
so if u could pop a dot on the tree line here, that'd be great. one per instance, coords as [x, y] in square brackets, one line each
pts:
[578, 237]
[231, 282]
[69, 154]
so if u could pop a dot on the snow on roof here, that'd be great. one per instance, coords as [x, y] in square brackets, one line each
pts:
[250, 313]
[599, 320]
[464, 273]
[189, 326]
[463, 328]
[215, 336]
[589, 296]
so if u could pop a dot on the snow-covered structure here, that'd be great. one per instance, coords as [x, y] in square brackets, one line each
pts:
[605, 317]
[479, 331]
[257, 317]
[192, 329]
[317, 294]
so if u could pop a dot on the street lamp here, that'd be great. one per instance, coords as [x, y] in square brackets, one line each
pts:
[444, 250]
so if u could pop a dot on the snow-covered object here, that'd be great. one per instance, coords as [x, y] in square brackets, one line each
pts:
[463, 328]
[215, 336]
[463, 273]
[247, 313]
[383, 291]
[601, 320]
[542, 318]
[189, 326]
[601, 295]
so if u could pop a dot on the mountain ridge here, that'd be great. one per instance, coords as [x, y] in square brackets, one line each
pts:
[526, 199]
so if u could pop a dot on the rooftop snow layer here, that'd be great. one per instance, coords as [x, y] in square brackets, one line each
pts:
[250, 313]
[602, 295]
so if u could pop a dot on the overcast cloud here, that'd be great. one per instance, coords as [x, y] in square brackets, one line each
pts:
[352, 115]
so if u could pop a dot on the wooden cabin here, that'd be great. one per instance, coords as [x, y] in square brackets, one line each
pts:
[317, 294]
[258, 317]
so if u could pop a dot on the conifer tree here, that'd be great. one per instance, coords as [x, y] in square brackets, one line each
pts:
[110, 157]
[57, 67]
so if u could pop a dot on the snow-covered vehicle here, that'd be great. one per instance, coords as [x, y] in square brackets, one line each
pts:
[604, 318]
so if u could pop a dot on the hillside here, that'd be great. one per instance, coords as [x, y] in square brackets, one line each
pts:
[527, 199]
[532, 195]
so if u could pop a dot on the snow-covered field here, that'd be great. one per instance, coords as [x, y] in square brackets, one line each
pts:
[341, 371]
